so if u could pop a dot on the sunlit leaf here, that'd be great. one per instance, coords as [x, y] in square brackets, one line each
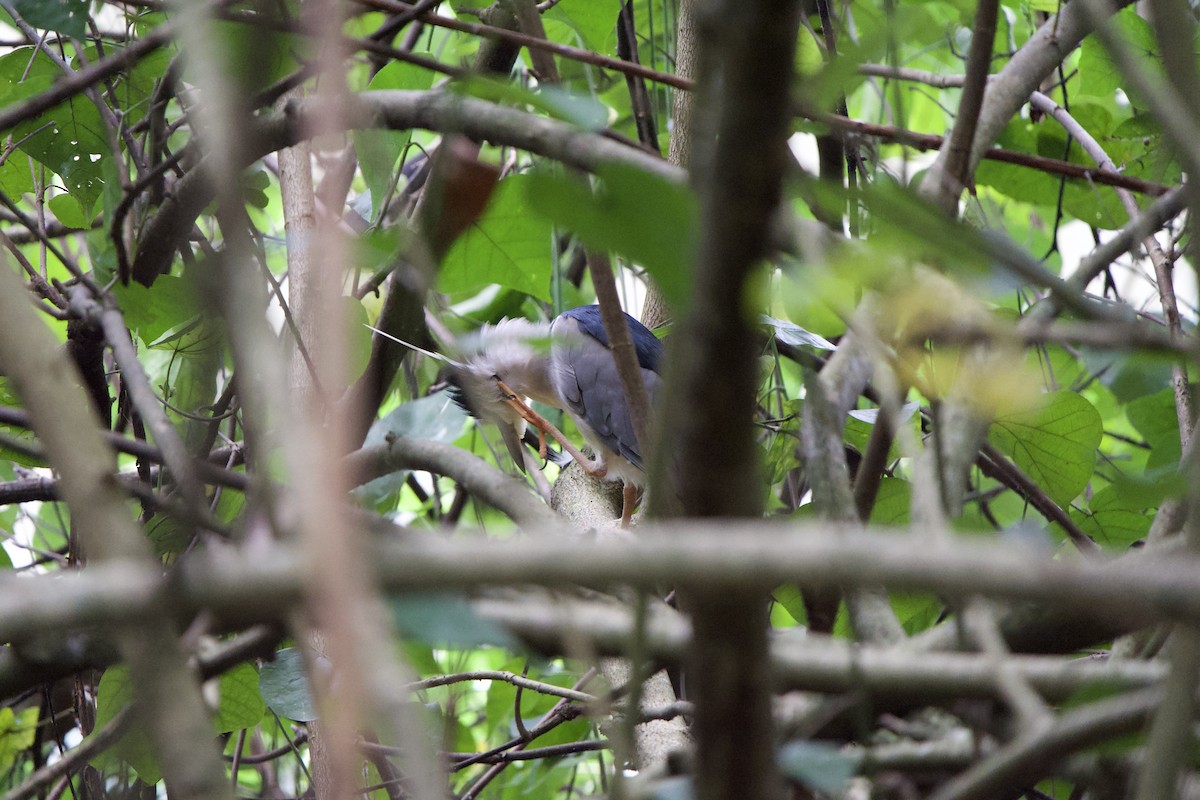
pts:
[1054, 444]
[594, 21]
[241, 702]
[645, 217]
[508, 245]
[1113, 518]
[17, 732]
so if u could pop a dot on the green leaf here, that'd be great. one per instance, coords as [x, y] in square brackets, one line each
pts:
[15, 177]
[508, 245]
[1128, 376]
[255, 56]
[594, 21]
[819, 766]
[379, 150]
[69, 138]
[68, 211]
[893, 503]
[436, 417]
[17, 731]
[151, 312]
[283, 685]
[445, 618]
[644, 217]
[916, 613]
[61, 16]
[114, 693]
[860, 425]
[1099, 76]
[1149, 489]
[793, 334]
[1054, 444]
[1114, 518]
[358, 337]
[792, 600]
[583, 111]
[1155, 419]
[241, 703]
[168, 535]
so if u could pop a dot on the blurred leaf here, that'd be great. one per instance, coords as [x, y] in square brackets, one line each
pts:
[24, 441]
[860, 425]
[1099, 76]
[254, 56]
[678, 787]
[168, 535]
[358, 338]
[792, 600]
[436, 417]
[790, 333]
[644, 217]
[1128, 375]
[151, 312]
[241, 702]
[68, 17]
[379, 150]
[916, 613]
[1054, 444]
[1146, 491]
[445, 618]
[17, 732]
[819, 766]
[553, 101]
[508, 245]
[283, 685]
[594, 21]
[114, 693]
[1155, 419]
[893, 503]
[254, 184]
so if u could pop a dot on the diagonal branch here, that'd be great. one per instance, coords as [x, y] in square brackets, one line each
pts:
[947, 178]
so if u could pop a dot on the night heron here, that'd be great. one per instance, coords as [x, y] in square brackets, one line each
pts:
[566, 364]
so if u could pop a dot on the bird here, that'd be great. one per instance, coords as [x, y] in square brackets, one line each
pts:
[566, 364]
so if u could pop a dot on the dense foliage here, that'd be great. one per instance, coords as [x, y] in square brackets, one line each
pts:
[248, 228]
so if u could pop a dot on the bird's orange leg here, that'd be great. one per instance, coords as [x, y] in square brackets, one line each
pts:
[544, 427]
[629, 500]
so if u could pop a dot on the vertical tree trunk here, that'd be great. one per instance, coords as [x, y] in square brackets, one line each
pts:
[737, 161]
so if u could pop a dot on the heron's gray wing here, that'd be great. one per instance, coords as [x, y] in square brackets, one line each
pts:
[588, 382]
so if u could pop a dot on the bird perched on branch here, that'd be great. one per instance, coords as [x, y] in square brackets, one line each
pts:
[567, 364]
